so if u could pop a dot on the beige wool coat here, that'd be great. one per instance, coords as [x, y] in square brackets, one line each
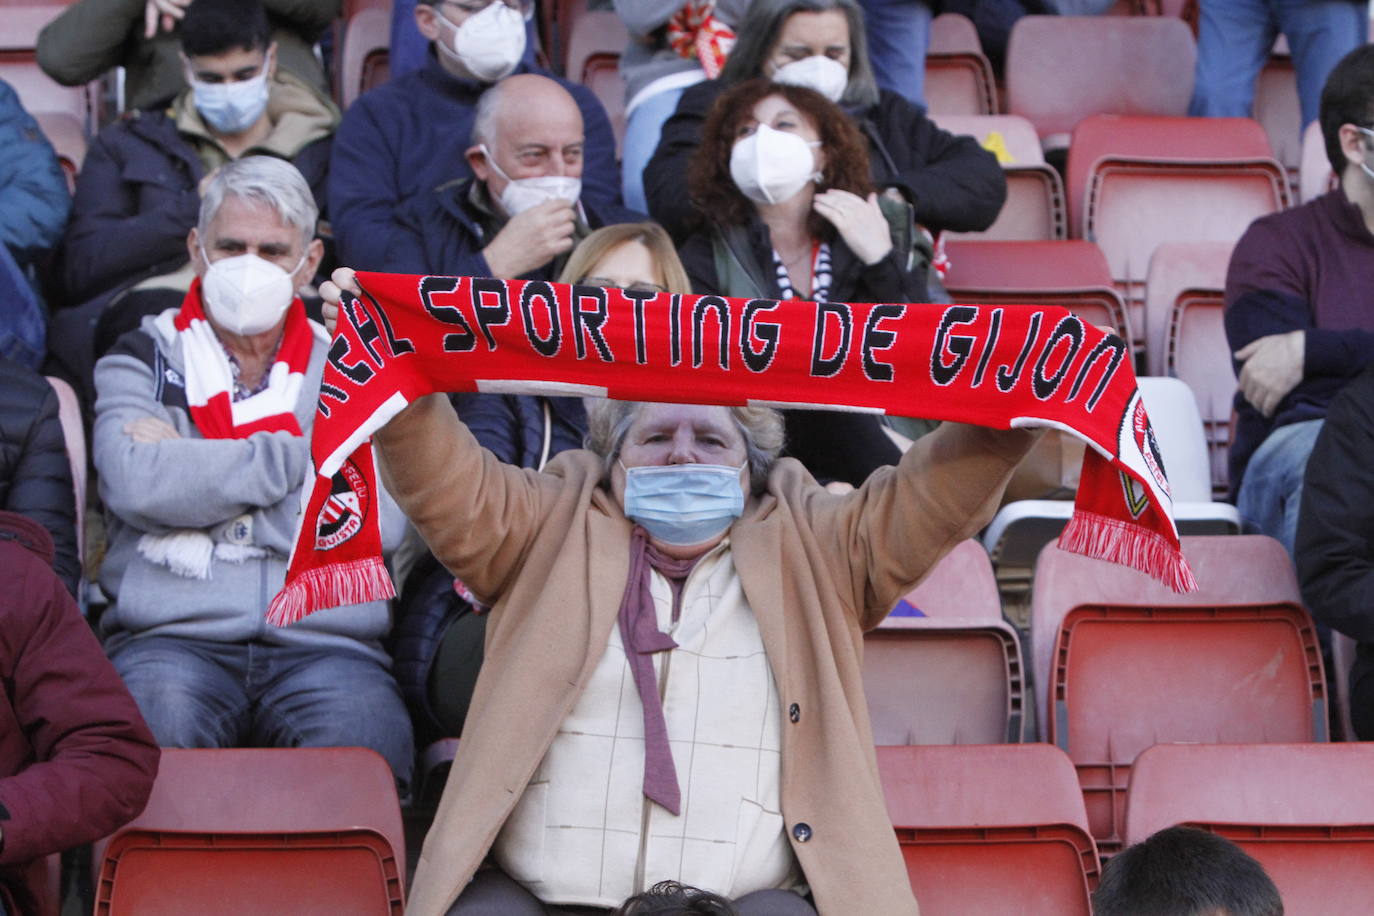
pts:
[552, 550]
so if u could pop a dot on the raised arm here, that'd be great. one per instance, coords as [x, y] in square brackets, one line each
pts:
[888, 533]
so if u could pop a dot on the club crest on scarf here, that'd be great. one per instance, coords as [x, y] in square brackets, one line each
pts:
[345, 510]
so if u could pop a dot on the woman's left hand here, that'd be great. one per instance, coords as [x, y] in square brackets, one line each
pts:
[859, 222]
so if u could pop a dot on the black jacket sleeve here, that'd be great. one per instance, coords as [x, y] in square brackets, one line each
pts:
[953, 182]
[665, 177]
[1335, 540]
[36, 473]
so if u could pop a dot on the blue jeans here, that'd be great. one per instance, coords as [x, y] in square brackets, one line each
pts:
[196, 693]
[898, 34]
[1271, 490]
[1236, 36]
[23, 320]
[642, 128]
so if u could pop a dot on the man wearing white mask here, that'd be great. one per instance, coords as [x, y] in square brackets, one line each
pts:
[202, 445]
[139, 189]
[410, 136]
[523, 209]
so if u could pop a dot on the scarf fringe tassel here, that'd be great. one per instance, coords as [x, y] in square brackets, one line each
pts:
[1104, 538]
[354, 582]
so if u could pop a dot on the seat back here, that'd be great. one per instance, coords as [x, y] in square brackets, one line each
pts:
[1035, 207]
[1278, 109]
[1143, 188]
[1185, 337]
[1230, 569]
[1127, 677]
[595, 43]
[19, 63]
[1071, 273]
[945, 668]
[1120, 64]
[1178, 430]
[74, 433]
[68, 139]
[366, 41]
[242, 830]
[990, 829]
[1305, 812]
[1315, 177]
[958, 78]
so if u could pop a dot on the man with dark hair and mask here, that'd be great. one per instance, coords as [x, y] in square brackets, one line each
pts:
[139, 189]
[523, 208]
[202, 443]
[410, 136]
[1298, 315]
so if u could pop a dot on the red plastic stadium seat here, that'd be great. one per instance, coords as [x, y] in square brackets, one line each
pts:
[990, 829]
[1184, 299]
[1071, 273]
[20, 24]
[1035, 207]
[74, 435]
[945, 668]
[595, 43]
[1134, 183]
[1230, 569]
[1315, 177]
[309, 830]
[1127, 677]
[1304, 811]
[366, 41]
[959, 78]
[1061, 69]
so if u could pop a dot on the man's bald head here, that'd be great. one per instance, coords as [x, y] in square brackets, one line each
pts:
[524, 99]
[528, 126]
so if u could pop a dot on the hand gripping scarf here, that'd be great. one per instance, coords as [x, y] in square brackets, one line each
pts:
[996, 366]
[695, 32]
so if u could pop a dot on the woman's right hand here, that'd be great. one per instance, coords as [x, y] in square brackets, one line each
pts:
[342, 280]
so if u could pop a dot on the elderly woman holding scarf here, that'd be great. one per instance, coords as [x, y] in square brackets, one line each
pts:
[672, 686]
[785, 210]
[952, 182]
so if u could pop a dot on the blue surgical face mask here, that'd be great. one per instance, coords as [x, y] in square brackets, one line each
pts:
[683, 504]
[232, 108]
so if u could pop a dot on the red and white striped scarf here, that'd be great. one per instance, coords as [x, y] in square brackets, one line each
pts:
[210, 376]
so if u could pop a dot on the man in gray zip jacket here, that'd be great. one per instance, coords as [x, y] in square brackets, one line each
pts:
[201, 441]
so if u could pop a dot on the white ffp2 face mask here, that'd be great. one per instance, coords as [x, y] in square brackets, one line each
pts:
[827, 76]
[247, 295]
[520, 194]
[770, 165]
[489, 44]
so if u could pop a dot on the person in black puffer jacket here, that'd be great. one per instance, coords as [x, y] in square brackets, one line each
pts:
[35, 474]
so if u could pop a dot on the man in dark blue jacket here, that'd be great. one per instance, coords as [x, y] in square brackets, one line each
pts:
[524, 208]
[410, 136]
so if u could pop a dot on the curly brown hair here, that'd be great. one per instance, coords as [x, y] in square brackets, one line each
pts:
[715, 198]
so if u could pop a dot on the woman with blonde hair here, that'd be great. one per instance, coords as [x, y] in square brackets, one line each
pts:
[438, 637]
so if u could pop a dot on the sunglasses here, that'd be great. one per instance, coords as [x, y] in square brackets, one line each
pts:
[611, 284]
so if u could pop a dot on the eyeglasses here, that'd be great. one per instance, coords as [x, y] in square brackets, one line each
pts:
[523, 7]
[611, 284]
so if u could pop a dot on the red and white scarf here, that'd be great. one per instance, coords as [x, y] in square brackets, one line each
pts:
[210, 376]
[695, 32]
[996, 366]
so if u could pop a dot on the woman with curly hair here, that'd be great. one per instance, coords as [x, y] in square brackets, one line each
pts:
[785, 209]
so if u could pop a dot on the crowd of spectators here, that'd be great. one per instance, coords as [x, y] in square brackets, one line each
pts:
[774, 149]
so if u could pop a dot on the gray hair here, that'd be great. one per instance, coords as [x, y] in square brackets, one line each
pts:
[484, 117]
[608, 422]
[263, 180]
[763, 24]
